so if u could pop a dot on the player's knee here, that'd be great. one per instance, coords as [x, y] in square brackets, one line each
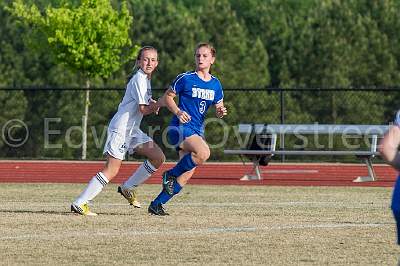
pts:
[202, 156]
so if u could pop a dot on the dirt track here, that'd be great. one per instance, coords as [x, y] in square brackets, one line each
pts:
[335, 174]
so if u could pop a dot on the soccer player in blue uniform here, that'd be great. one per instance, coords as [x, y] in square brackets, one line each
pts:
[389, 150]
[197, 91]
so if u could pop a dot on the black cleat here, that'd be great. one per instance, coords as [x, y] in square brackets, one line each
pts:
[168, 183]
[157, 209]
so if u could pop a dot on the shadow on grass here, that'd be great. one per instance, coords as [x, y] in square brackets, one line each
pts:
[38, 211]
[63, 212]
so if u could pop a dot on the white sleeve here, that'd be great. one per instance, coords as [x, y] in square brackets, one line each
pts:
[397, 119]
[139, 90]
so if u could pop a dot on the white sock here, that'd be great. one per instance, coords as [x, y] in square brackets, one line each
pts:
[140, 175]
[95, 186]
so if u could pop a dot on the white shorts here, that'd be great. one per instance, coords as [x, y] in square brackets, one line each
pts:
[118, 143]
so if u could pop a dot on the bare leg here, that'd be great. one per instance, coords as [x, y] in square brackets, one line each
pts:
[155, 159]
[100, 180]
[153, 152]
[111, 168]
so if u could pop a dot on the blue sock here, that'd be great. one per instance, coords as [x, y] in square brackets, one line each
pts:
[177, 188]
[396, 207]
[185, 164]
[164, 197]
[396, 215]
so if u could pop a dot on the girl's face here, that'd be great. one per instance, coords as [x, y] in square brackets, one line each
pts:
[148, 61]
[204, 58]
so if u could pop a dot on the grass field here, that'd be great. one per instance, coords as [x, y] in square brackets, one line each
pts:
[238, 225]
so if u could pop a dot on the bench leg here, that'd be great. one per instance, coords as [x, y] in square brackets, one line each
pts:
[371, 172]
[256, 171]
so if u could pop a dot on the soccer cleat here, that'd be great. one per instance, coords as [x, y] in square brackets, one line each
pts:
[130, 196]
[82, 209]
[157, 209]
[168, 183]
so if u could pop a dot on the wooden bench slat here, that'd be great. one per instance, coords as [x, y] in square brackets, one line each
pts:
[292, 152]
[314, 129]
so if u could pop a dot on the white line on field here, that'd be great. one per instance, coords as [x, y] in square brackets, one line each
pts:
[289, 203]
[312, 204]
[211, 230]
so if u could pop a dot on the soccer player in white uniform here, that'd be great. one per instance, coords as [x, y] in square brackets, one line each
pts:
[124, 135]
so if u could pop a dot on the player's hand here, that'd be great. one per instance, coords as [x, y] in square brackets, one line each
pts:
[154, 106]
[221, 111]
[183, 117]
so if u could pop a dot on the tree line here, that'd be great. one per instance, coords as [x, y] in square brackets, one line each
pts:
[260, 44]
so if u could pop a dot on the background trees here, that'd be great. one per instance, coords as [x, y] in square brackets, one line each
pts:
[91, 39]
[260, 44]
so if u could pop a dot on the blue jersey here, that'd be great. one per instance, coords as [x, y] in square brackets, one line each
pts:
[195, 97]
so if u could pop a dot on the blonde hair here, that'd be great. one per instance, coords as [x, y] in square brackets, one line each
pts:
[140, 53]
[207, 45]
[144, 48]
[138, 57]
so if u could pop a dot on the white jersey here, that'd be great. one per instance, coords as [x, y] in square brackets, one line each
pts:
[397, 119]
[128, 117]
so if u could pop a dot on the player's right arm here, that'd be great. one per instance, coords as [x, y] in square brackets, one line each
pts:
[389, 147]
[168, 100]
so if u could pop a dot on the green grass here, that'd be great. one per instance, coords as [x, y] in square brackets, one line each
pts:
[238, 225]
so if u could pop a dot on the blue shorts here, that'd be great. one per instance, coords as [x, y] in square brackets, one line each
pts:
[177, 134]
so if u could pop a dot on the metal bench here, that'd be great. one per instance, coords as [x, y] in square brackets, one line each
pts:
[372, 132]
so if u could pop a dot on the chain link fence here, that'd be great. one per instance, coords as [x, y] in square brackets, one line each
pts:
[47, 123]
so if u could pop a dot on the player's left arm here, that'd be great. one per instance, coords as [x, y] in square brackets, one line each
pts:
[220, 109]
[152, 107]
